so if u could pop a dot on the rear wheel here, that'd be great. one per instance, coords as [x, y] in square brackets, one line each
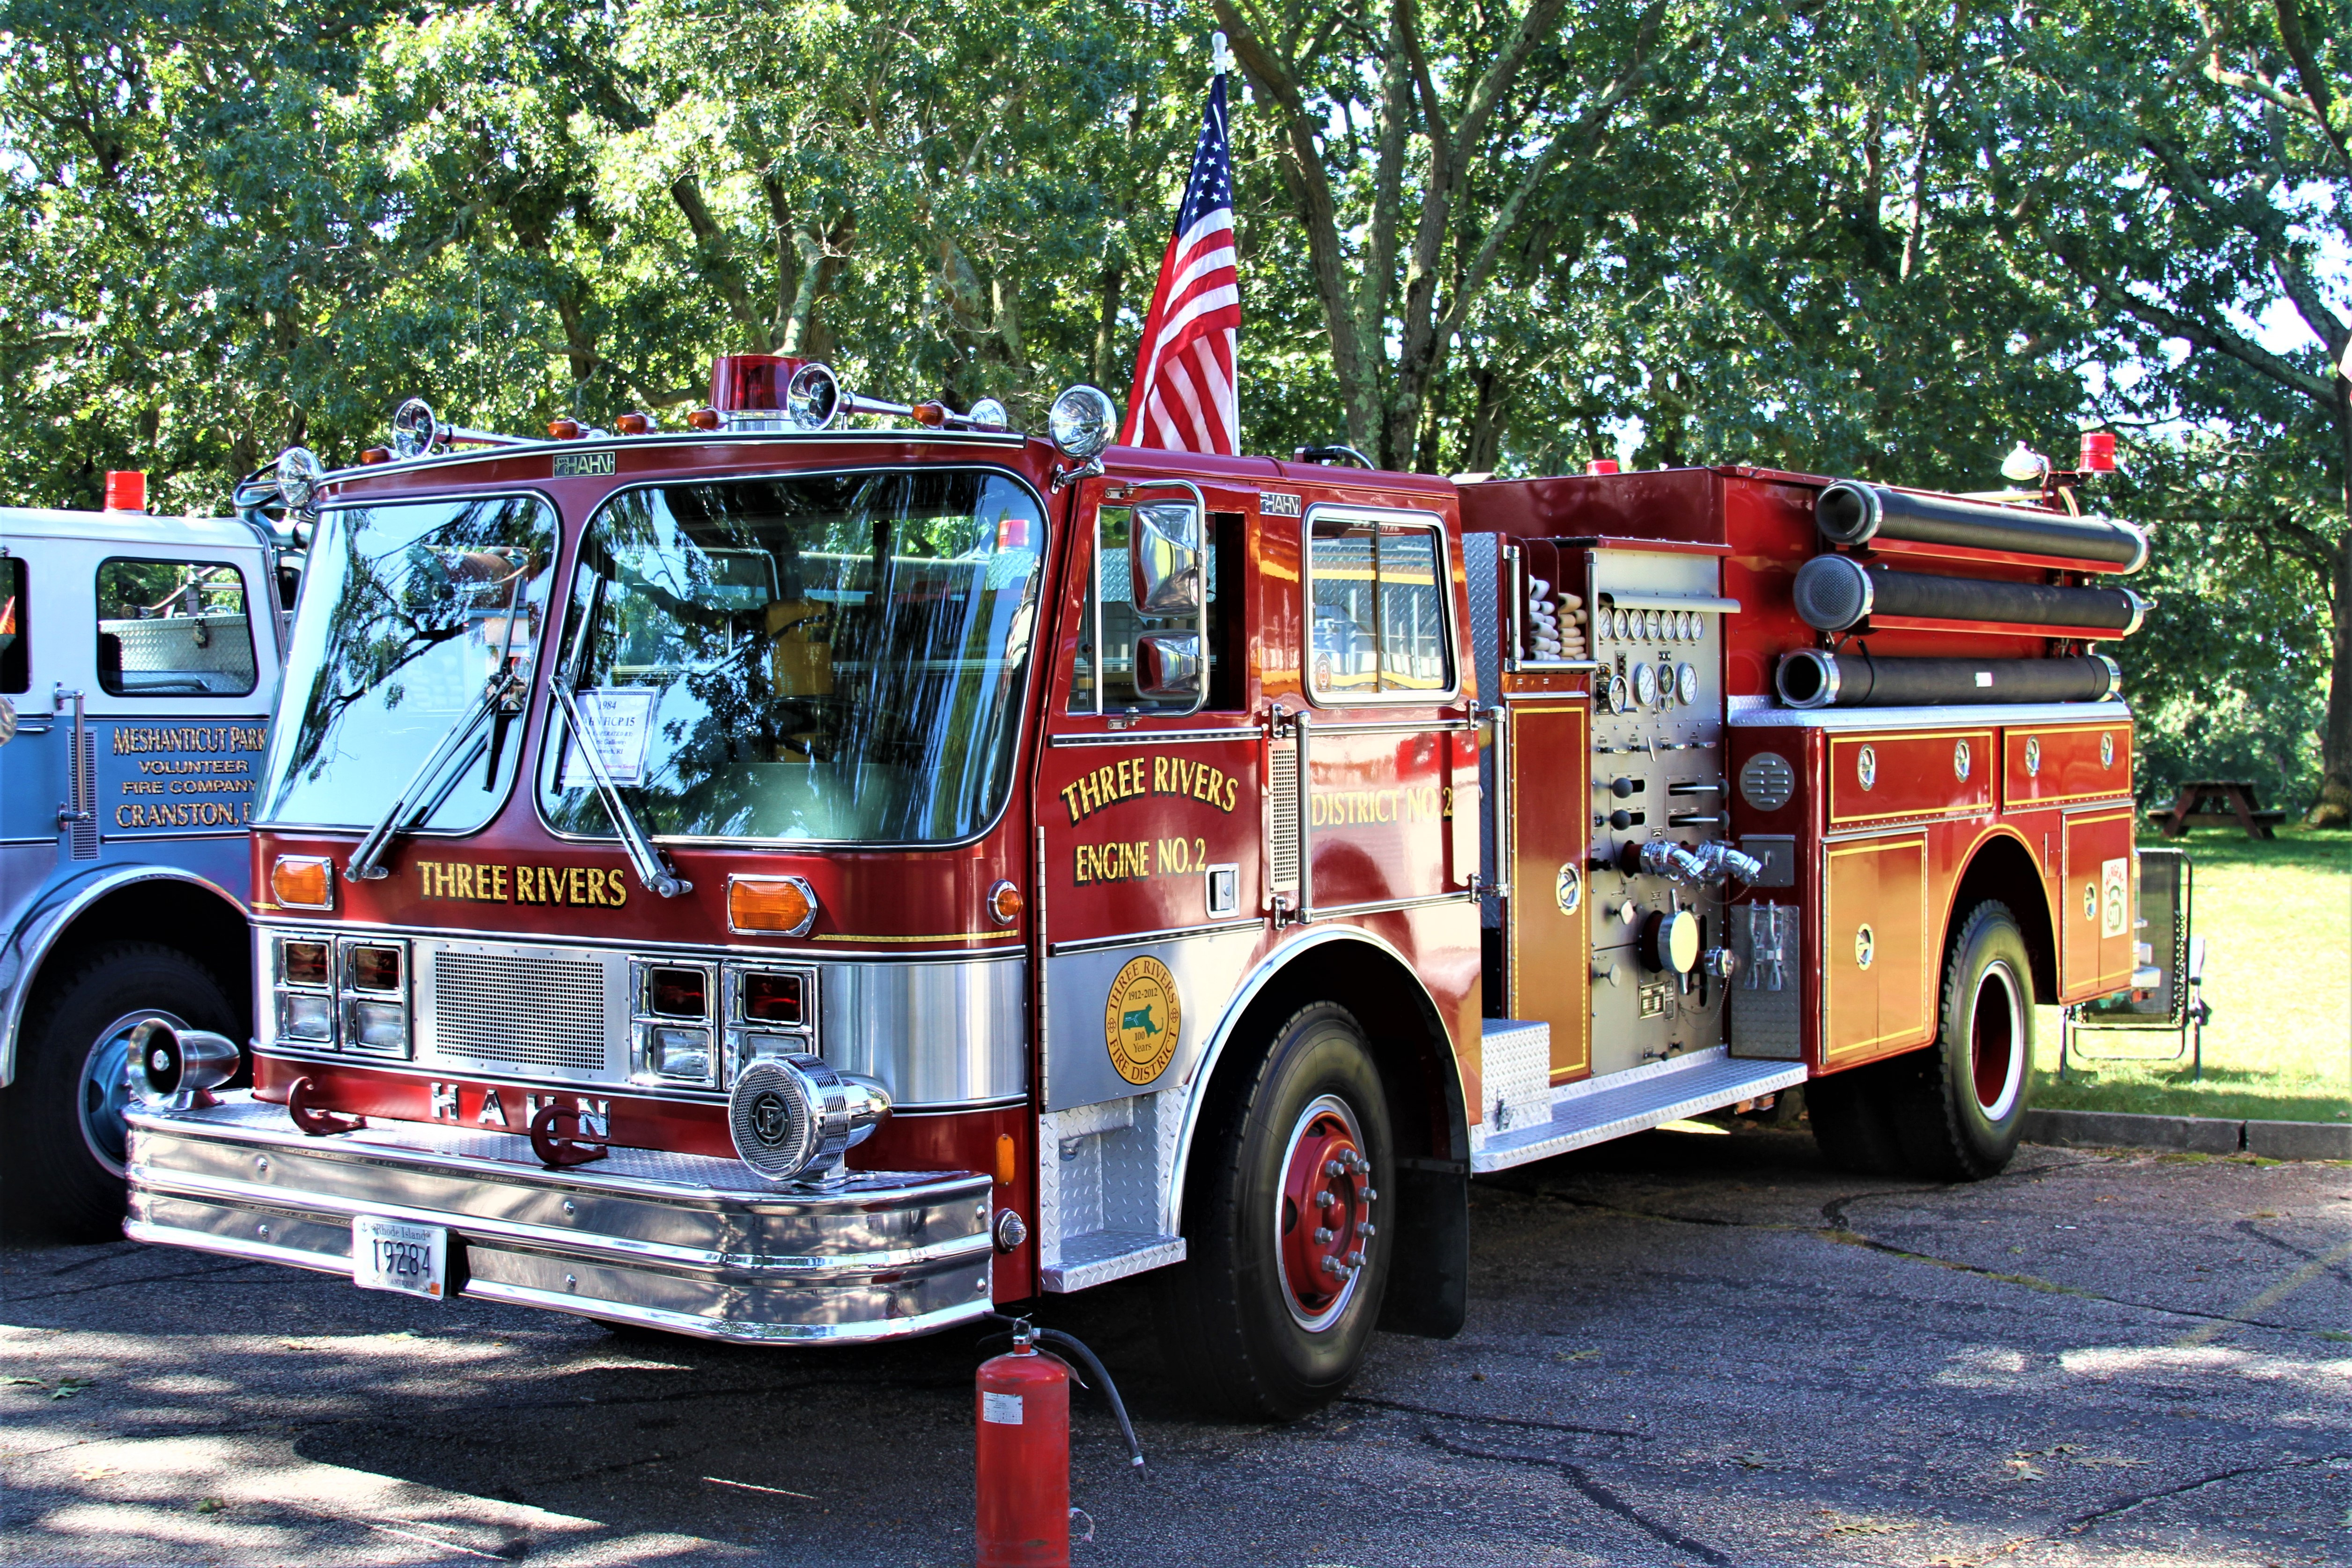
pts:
[63, 1117]
[1271, 1311]
[1955, 1109]
[1961, 1108]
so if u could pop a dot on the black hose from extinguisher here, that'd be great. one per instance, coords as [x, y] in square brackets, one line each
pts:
[1092, 1363]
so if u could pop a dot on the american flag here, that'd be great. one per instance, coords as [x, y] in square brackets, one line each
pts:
[1185, 385]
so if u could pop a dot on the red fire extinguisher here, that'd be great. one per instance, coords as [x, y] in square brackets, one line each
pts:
[1024, 1458]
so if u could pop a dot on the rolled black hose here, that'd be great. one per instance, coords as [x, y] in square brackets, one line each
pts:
[1092, 1363]
[1853, 512]
[1811, 678]
[1833, 591]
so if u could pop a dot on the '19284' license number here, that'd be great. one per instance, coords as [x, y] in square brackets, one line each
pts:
[390, 1255]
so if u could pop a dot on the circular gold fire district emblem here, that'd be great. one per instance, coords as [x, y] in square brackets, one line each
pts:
[1140, 1020]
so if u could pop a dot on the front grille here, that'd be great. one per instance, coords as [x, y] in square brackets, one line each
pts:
[512, 1009]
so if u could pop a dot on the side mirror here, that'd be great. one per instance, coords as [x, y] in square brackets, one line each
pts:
[1163, 554]
[1168, 666]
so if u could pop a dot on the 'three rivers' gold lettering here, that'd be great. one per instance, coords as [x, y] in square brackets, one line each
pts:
[480, 883]
[1138, 776]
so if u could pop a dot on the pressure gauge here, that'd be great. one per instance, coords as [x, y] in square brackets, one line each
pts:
[1698, 627]
[1686, 683]
[1655, 625]
[1617, 703]
[1645, 685]
[1617, 627]
[1685, 625]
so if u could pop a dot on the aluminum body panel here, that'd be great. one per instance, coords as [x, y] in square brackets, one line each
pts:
[699, 1245]
[935, 1033]
[1078, 1066]
[1765, 714]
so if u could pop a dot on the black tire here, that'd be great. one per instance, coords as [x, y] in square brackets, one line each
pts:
[1239, 1332]
[63, 1173]
[1851, 1125]
[1957, 1108]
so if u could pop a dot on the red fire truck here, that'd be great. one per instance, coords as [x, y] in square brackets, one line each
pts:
[789, 883]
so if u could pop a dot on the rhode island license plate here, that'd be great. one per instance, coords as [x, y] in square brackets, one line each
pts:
[388, 1255]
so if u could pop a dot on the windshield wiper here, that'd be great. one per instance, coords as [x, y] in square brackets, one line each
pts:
[365, 864]
[653, 868]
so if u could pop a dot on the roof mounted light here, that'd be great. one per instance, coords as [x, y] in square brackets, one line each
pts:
[813, 397]
[298, 477]
[988, 415]
[416, 429]
[2024, 466]
[1083, 421]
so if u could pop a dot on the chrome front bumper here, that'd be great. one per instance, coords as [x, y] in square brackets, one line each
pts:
[684, 1242]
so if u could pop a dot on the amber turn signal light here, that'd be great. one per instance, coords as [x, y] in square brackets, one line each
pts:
[635, 424]
[703, 418]
[376, 455]
[1004, 904]
[303, 881]
[783, 905]
[563, 430]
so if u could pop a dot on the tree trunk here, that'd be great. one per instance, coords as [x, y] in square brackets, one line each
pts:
[2334, 804]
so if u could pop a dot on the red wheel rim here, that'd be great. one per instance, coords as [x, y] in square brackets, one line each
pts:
[1997, 1041]
[1324, 1216]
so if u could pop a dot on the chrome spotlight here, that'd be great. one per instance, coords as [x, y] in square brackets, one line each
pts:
[988, 415]
[415, 430]
[298, 475]
[1083, 421]
[178, 1065]
[793, 1117]
[813, 397]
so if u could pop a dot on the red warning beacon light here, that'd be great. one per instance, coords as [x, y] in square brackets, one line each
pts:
[2098, 452]
[1024, 1459]
[126, 490]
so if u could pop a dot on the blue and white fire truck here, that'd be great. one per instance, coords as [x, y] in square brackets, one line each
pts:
[139, 664]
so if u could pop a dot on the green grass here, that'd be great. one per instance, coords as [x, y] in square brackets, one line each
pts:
[2277, 920]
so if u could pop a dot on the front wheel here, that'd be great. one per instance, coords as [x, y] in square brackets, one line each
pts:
[63, 1117]
[1271, 1311]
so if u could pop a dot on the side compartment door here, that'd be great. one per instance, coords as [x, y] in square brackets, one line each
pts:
[1877, 976]
[1548, 829]
[2098, 905]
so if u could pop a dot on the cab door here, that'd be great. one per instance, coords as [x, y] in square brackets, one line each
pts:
[1149, 816]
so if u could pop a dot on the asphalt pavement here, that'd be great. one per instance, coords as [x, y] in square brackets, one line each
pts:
[1688, 1348]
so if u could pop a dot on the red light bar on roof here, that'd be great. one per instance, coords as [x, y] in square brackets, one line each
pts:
[745, 382]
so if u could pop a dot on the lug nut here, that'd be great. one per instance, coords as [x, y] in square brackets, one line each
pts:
[1367, 1229]
[1332, 1266]
[1323, 1235]
[1323, 1199]
[1356, 1259]
[1369, 1194]
[1334, 1169]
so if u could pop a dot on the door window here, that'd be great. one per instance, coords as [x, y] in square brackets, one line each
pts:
[173, 629]
[1113, 624]
[15, 630]
[1377, 591]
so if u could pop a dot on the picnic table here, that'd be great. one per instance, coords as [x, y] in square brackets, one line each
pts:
[2236, 803]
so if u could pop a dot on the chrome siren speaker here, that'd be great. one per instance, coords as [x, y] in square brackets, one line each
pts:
[181, 1064]
[793, 1117]
[813, 397]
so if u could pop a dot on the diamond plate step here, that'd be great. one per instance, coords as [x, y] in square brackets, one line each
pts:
[1600, 1108]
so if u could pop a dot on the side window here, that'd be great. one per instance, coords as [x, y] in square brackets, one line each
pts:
[1114, 623]
[1378, 593]
[173, 629]
[16, 627]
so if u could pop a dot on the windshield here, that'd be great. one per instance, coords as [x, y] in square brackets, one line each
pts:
[409, 611]
[834, 657]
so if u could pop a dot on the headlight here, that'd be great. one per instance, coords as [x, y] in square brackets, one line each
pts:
[298, 475]
[678, 1052]
[793, 1118]
[1083, 421]
[306, 1018]
[379, 1026]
